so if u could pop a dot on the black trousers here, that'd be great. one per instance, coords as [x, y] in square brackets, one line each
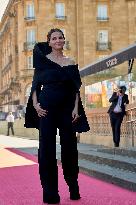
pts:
[48, 169]
[116, 120]
[10, 125]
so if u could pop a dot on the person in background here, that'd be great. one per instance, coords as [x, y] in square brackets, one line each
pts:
[19, 116]
[10, 119]
[117, 112]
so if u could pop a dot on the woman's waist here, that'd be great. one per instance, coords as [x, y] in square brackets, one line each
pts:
[57, 92]
[56, 82]
[54, 97]
[57, 86]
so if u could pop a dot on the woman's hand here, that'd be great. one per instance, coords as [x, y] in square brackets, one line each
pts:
[41, 112]
[75, 115]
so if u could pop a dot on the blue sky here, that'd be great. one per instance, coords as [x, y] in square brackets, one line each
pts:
[3, 4]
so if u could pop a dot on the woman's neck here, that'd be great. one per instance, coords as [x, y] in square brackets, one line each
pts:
[57, 53]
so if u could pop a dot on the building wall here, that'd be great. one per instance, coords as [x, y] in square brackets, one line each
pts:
[81, 27]
[121, 27]
[8, 57]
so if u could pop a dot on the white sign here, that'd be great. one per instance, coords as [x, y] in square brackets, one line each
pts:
[111, 62]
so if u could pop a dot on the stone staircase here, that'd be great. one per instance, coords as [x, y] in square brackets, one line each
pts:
[114, 165]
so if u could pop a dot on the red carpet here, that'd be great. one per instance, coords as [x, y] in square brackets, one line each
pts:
[20, 185]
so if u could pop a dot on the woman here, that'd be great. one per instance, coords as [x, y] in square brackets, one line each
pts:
[56, 105]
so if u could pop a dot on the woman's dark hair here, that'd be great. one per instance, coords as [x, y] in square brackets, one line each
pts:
[52, 31]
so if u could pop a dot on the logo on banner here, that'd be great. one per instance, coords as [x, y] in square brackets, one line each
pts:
[111, 62]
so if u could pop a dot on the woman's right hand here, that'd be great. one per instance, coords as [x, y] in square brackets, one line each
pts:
[41, 112]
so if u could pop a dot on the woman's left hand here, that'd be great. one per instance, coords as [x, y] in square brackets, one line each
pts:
[75, 115]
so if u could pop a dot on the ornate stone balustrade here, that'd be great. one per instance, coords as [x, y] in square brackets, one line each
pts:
[100, 123]
[26, 73]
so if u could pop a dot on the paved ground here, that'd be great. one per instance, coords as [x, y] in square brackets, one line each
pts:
[20, 184]
[17, 142]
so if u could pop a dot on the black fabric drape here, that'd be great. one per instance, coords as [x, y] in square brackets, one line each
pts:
[40, 64]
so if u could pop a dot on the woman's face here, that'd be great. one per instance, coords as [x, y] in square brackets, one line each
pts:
[57, 41]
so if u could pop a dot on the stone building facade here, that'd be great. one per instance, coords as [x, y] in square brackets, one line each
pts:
[93, 29]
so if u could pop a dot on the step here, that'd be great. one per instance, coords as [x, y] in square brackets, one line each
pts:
[117, 161]
[130, 152]
[123, 178]
[115, 176]
[112, 168]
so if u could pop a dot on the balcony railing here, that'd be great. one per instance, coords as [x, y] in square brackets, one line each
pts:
[26, 73]
[101, 46]
[14, 84]
[29, 18]
[100, 18]
[60, 17]
[29, 45]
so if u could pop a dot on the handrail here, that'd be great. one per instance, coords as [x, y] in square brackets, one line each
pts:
[131, 108]
[133, 120]
[100, 123]
[132, 130]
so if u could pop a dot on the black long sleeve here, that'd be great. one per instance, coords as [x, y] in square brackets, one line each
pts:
[113, 98]
[36, 84]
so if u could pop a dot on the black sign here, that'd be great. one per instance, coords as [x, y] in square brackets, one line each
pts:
[111, 61]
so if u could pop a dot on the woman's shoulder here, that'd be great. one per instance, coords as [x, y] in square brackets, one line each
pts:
[70, 61]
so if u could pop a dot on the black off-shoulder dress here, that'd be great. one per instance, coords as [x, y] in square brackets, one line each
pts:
[55, 87]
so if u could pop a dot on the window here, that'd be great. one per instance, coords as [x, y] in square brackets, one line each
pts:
[103, 36]
[30, 62]
[60, 10]
[31, 35]
[30, 39]
[102, 12]
[103, 42]
[30, 11]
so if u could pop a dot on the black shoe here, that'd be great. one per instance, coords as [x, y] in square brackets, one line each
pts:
[75, 196]
[51, 199]
[74, 192]
[116, 145]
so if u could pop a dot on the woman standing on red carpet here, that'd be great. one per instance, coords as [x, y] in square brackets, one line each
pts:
[56, 105]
